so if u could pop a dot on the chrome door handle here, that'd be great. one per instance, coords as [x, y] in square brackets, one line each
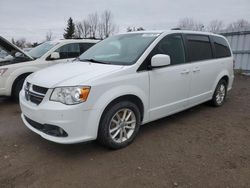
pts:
[196, 69]
[186, 71]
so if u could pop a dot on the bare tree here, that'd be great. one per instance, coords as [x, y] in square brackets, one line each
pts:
[86, 28]
[79, 30]
[95, 26]
[107, 23]
[49, 36]
[239, 25]
[215, 26]
[93, 20]
[20, 42]
[101, 30]
[13, 41]
[82, 29]
[190, 24]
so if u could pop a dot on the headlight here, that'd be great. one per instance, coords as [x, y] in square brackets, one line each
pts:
[70, 95]
[2, 71]
[25, 85]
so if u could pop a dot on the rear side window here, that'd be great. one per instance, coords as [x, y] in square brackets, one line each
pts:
[85, 46]
[221, 47]
[199, 47]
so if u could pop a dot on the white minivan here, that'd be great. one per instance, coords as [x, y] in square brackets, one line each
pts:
[125, 81]
[17, 64]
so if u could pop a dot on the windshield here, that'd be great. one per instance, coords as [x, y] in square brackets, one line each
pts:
[122, 49]
[40, 50]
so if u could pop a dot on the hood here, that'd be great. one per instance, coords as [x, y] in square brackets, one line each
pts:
[9, 47]
[70, 74]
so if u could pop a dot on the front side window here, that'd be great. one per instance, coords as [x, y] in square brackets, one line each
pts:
[69, 51]
[173, 46]
[124, 49]
[40, 50]
[199, 47]
[221, 47]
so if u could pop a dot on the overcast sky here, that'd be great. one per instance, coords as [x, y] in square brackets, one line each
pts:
[32, 19]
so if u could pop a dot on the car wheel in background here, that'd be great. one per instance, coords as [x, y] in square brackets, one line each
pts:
[17, 88]
[220, 93]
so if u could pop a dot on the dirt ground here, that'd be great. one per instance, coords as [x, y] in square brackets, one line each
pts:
[200, 147]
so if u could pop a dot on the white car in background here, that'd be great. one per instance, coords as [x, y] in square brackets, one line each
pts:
[16, 66]
[125, 81]
[3, 54]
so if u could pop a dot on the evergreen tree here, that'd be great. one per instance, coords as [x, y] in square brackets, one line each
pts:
[70, 30]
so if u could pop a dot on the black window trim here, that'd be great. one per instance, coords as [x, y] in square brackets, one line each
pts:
[213, 46]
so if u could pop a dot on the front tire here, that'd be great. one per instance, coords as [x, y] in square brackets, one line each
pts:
[119, 125]
[17, 88]
[220, 93]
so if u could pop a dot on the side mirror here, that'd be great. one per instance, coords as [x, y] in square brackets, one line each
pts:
[160, 60]
[55, 55]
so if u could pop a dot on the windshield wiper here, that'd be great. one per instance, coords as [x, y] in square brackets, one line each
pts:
[94, 61]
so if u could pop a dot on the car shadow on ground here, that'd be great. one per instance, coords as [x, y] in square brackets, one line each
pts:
[92, 148]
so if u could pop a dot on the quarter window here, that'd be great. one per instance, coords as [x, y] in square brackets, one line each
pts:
[221, 47]
[199, 47]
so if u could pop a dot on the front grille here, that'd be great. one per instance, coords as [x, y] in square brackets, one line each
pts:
[39, 89]
[34, 93]
[37, 99]
[51, 130]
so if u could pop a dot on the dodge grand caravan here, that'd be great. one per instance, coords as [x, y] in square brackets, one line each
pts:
[15, 67]
[125, 81]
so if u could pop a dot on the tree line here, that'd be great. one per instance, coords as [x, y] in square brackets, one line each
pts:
[215, 26]
[101, 26]
[94, 27]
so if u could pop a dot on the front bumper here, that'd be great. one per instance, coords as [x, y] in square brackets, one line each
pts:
[4, 89]
[79, 124]
[2, 92]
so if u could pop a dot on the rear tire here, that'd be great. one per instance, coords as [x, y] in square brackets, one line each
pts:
[119, 125]
[220, 93]
[17, 88]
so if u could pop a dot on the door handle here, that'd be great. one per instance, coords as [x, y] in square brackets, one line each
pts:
[196, 69]
[186, 71]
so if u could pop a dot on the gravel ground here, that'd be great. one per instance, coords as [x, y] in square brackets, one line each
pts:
[200, 147]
